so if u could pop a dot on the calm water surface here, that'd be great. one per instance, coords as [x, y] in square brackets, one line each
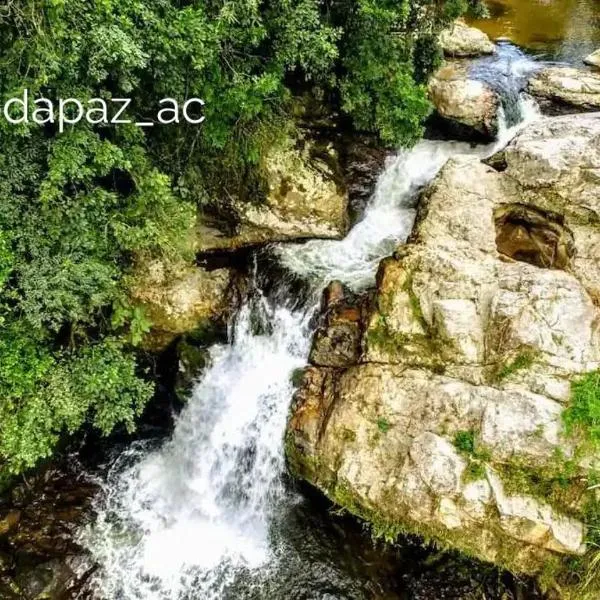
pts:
[563, 30]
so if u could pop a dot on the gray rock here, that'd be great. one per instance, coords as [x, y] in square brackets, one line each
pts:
[470, 107]
[47, 581]
[460, 40]
[563, 89]
[337, 339]
[477, 328]
[179, 298]
[593, 59]
[305, 198]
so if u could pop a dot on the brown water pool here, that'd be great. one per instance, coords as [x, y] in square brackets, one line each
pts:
[563, 30]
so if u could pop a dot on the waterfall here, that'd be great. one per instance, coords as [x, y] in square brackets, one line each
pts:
[390, 214]
[506, 72]
[201, 517]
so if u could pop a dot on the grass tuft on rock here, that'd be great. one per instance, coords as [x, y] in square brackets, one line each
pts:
[582, 422]
[383, 425]
[582, 417]
[466, 443]
[522, 362]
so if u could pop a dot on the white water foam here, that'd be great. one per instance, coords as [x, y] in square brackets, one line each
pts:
[186, 521]
[390, 215]
[191, 514]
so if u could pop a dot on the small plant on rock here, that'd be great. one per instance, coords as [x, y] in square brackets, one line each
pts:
[582, 417]
[466, 443]
[383, 425]
[522, 362]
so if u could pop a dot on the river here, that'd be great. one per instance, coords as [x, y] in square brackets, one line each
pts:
[210, 514]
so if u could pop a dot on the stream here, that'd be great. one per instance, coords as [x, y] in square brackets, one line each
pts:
[210, 514]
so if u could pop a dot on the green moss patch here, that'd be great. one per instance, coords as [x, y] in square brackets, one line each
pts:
[477, 456]
[521, 362]
[582, 417]
[383, 425]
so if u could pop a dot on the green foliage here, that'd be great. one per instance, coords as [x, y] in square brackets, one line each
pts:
[415, 303]
[465, 442]
[383, 425]
[557, 482]
[582, 417]
[474, 472]
[297, 377]
[379, 335]
[377, 84]
[51, 393]
[582, 421]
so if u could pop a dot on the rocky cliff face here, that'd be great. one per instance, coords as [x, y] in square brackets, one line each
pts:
[306, 197]
[439, 408]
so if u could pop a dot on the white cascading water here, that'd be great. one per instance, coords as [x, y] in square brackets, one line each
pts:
[195, 517]
[390, 215]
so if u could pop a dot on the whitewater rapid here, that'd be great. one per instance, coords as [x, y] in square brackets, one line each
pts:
[197, 518]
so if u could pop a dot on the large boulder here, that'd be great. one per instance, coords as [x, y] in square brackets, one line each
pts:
[40, 556]
[336, 342]
[179, 298]
[566, 89]
[379, 440]
[449, 423]
[556, 164]
[459, 40]
[468, 108]
[305, 198]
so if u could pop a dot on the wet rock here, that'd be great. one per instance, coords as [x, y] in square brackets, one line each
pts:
[337, 339]
[593, 59]
[566, 89]
[9, 589]
[333, 294]
[39, 555]
[9, 521]
[459, 40]
[193, 357]
[362, 160]
[477, 328]
[305, 198]
[7, 563]
[47, 581]
[179, 298]
[468, 108]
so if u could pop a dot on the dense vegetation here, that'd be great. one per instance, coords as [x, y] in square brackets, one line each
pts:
[78, 208]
